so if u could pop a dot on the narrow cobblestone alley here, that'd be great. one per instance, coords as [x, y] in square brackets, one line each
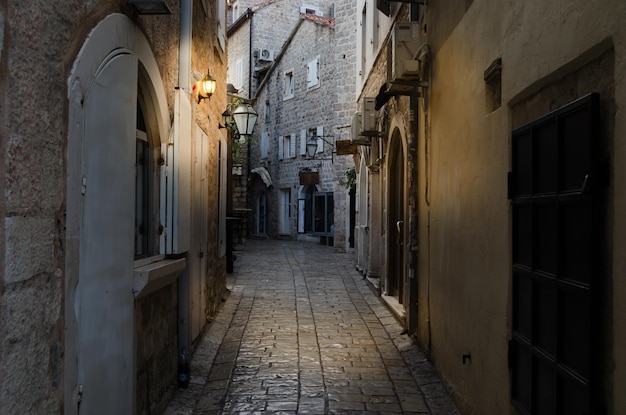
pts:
[302, 333]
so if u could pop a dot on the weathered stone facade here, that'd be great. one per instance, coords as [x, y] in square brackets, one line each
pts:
[327, 106]
[441, 187]
[49, 52]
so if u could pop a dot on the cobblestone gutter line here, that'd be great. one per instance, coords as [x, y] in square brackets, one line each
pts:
[200, 390]
[433, 390]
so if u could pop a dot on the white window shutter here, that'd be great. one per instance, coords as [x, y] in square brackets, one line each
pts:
[239, 74]
[313, 73]
[292, 144]
[280, 147]
[309, 73]
[303, 142]
[264, 144]
[320, 141]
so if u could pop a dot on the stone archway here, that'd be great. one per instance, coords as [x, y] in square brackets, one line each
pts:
[396, 219]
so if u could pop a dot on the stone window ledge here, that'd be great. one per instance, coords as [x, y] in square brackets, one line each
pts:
[154, 273]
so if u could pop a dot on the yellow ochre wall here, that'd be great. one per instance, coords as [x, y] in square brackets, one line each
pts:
[464, 270]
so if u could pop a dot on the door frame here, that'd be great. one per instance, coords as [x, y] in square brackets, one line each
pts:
[116, 33]
[557, 269]
[395, 289]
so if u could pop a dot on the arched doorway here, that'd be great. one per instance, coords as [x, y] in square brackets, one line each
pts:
[396, 220]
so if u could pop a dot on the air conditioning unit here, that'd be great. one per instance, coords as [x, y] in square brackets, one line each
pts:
[355, 136]
[369, 124]
[312, 11]
[266, 55]
[403, 67]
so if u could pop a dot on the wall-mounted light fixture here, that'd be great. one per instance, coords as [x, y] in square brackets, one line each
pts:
[311, 146]
[227, 119]
[240, 121]
[150, 6]
[206, 87]
[245, 118]
[229, 122]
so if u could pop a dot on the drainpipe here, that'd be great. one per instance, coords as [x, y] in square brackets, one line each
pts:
[184, 49]
[413, 198]
[250, 14]
[182, 119]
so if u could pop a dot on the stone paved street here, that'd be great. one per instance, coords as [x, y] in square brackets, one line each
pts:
[302, 333]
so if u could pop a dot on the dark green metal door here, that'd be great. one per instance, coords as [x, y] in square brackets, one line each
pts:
[555, 240]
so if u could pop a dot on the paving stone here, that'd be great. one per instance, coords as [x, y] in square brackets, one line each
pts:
[379, 391]
[301, 332]
[278, 406]
[315, 407]
[384, 407]
[346, 405]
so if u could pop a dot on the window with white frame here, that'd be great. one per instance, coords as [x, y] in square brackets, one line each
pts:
[292, 146]
[287, 147]
[313, 73]
[289, 87]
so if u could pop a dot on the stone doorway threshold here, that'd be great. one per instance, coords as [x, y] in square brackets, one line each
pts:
[396, 308]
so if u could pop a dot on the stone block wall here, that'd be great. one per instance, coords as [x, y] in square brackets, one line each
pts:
[39, 41]
[239, 49]
[309, 108]
[32, 179]
[157, 350]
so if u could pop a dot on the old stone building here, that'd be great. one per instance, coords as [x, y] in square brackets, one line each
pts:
[114, 199]
[489, 198]
[295, 62]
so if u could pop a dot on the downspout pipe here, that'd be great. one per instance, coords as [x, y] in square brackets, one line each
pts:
[184, 49]
[184, 75]
[413, 219]
[250, 14]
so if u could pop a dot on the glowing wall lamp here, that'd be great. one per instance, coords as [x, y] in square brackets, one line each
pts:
[150, 6]
[206, 87]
